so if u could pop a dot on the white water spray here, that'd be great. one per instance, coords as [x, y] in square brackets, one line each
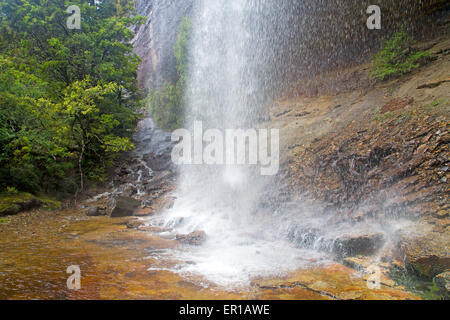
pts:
[224, 201]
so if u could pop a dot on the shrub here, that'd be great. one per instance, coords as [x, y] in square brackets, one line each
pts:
[398, 58]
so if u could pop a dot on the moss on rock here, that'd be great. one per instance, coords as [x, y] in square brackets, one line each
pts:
[13, 203]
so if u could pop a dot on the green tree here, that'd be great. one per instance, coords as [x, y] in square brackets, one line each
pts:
[68, 98]
[86, 130]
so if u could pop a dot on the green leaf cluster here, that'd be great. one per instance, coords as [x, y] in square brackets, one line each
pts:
[68, 98]
[397, 58]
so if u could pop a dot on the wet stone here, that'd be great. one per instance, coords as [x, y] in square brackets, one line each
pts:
[125, 207]
[195, 238]
[96, 211]
[352, 245]
[134, 224]
[143, 212]
[443, 283]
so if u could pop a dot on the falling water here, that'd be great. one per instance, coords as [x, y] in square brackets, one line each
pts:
[235, 69]
[228, 90]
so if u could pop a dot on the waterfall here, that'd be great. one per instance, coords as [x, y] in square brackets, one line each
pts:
[241, 54]
[222, 93]
[227, 89]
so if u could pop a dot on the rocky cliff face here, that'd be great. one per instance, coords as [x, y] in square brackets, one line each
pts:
[306, 37]
[155, 39]
[319, 36]
[377, 153]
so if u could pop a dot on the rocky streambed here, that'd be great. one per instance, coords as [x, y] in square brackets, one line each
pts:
[364, 185]
[118, 262]
[377, 155]
[121, 255]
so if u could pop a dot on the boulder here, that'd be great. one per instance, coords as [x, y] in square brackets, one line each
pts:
[143, 212]
[14, 204]
[30, 204]
[429, 265]
[158, 162]
[96, 211]
[442, 281]
[195, 238]
[128, 190]
[359, 263]
[125, 207]
[163, 202]
[425, 253]
[11, 209]
[134, 224]
[155, 229]
[353, 245]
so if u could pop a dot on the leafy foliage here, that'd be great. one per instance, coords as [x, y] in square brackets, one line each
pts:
[67, 97]
[166, 107]
[397, 58]
[181, 50]
[166, 103]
